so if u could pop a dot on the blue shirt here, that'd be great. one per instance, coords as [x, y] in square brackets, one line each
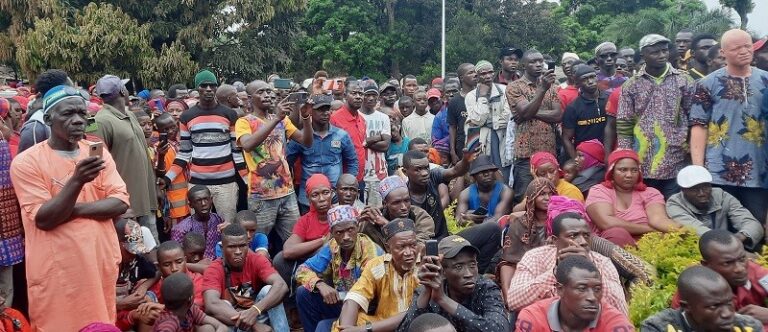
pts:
[395, 154]
[440, 135]
[730, 108]
[329, 155]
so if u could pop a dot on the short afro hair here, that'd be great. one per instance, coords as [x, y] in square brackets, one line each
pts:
[193, 240]
[50, 79]
[557, 222]
[177, 290]
[233, 230]
[702, 36]
[428, 321]
[409, 156]
[569, 263]
[689, 281]
[720, 236]
[168, 246]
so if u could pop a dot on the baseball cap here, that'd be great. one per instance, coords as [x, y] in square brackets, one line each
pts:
[321, 100]
[451, 246]
[482, 163]
[110, 85]
[693, 175]
[510, 50]
[759, 44]
[369, 86]
[652, 39]
[386, 86]
[434, 93]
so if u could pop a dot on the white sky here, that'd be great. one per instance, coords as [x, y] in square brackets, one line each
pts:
[757, 19]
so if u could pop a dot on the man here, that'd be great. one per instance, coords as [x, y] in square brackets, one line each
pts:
[388, 281]
[242, 289]
[410, 86]
[485, 193]
[388, 95]
[66, 194]
[509, 58]
[349, 119]
[440, 134]
[705, 305]
[652, 115]
[227, 95]
[700, 45]
[263, 137]
[715, 58]
[608, 79]
[536, 112]
[579, 304]
[705, 208]
[419, 123]
[34, 129]
[728, 125]
[683, 43]
[628, 54]
[123, 137]
[489, 118]
[175, 192]
[761, 53]
[208, 149]
[377, 138]
[328, 275]
[457, 110]
[170, 259]
[430, 322]
[534, 277]
[568, 91]
[585, 118]
[331, 153]
[452, 288]
[348, 191]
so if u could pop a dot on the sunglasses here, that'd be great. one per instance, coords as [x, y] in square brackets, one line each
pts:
[609, 55]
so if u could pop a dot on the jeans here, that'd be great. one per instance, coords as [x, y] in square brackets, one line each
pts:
[313, 311]
[287, 270]
[753, 199]
[224, 198]
[521, 171]
[486, 237]
[280, 212]
[277, 318]
[666, 187]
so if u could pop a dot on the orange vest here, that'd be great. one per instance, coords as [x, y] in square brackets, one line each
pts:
[176, 193]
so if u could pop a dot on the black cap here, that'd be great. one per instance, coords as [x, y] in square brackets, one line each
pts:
[397, 225]
[482, 163]
[450, 246]
[321, 100]
[505, 51]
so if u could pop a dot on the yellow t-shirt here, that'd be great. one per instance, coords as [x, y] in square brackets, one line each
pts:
[269, 175]
[565, 188]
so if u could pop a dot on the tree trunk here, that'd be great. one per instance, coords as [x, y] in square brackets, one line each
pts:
[395, 70]
[744, 20]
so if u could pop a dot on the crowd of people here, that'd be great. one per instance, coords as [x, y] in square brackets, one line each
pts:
[488, 200]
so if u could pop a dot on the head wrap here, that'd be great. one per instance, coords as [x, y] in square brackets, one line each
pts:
[603, 46]
[397, 225]
[23, 101]
[614, 158]
[594, 153]
[535, 189]
[317, 180]
[342, 213]
[561, 204]
[178, 103]
[24, 91]
[143, 94]
[57, 94]
[539, 159]
[205, 76]
[389, 184]
[5, 108]
[483, 65]
[582, 69]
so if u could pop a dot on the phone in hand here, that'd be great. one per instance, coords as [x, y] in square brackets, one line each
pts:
[95, 149]
[298, 98]
[283, 83]
[481, 211]
[431, 246]
[551, 65]
[473, 138]
[163, 139]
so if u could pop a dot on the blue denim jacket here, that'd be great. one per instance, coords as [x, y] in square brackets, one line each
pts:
[330, 155]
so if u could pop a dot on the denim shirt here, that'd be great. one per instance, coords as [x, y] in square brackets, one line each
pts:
[330, 155]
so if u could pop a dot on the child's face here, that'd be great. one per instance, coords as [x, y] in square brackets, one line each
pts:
[194, 253]
[201, 202]
[170, 262]
[570, 172]
[406, 108]
[250, 228]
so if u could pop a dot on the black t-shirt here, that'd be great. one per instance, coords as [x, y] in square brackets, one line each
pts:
[587, 118]
[432, 203]
[457, 115]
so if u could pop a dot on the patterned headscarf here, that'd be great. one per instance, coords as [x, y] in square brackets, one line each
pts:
[561, 204]
[535, 189]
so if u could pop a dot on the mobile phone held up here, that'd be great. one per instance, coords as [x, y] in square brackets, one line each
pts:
[481, 211]
[283, 83]
[163, 139]
[95, 149]
[431, 246]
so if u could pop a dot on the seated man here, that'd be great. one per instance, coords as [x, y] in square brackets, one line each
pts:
[203, 221]
[170, 259]
[258, 242]
[722, 252]
[578, 305]
[328, 275]
[242, 289]
[534, 277]
[453, 289]
[488, 193]
[348, 191]
[430, 322]
[702, 207]
[706, 304]
[388, 281]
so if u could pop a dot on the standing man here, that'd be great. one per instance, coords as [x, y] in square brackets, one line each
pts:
[227, 95]
[68, 200]
[457, 110]
[585, 117]
[509, 58]
[728, 125]
[410, 86]
[536, 112]
[419, 123]
[697, 65]
[683, 43]
[608, 78]
[652, 116]
[378, 135]
[568, 91]
[628, 54]
[349, 119]
[208, 150]
[123, 137]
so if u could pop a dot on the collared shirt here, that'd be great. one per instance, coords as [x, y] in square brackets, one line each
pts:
[209, 230]
[482, 311]
[673, 320]
[730, 107]
[381, 283]
[354, 125]
[269, 175]
[416, 125]
[567, 95]
[609, 83]
[329, 155]
[543, 316]
[534, 279]
[532, 135]
[652, 119]
[327, 265]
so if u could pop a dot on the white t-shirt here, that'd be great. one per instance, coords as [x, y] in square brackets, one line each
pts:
[419, 126]
[376, 123]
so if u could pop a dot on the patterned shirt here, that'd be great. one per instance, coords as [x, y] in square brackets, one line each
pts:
[209, 230]
[169, 322]
[381, 283]
[609, 83]
[653, 120]
[11, 237]
[269, 172]
[327, 265]
[730, 108]
[532, 135]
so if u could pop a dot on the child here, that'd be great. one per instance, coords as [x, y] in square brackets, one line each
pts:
[259, 243]
[194, 248]
[136, 276]
[406, 106]
[203, 221]
[170, 259]
[180, 314]
[398, 146]
[571, 170]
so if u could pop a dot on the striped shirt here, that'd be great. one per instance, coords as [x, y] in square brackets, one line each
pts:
[207, 147]
[169, 322]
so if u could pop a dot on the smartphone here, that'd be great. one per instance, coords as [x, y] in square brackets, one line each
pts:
[163, 139]
[431, 247]
[298, 98]
[283, 83]
[473, 138]
[551, 65]
[95, 149]
[481, 211]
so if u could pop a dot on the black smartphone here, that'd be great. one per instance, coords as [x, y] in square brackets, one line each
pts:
[283, 83]
[298, 98]
[431, 247]
[481, 211]
[163, 139]
[551, 65]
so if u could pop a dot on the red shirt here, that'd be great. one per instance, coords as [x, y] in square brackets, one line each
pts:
[543, 316]
[354, 125]
[256, 270]
[612, 107]
[197, 282]
[309, 227]
[567, 95]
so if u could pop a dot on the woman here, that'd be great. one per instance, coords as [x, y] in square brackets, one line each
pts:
[11, 238]
[622, 207]
[545, 165]
[175, 108]
[590, 157]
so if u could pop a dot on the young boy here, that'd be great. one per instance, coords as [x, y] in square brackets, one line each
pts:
[136, 278]
[258, 241]
[194, 248]
[203, 221]
[171, 259]
[406, 106]
[180, 314]
[398, 146]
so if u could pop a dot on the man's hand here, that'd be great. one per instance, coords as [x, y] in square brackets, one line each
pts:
[573, 250]
[547, 79]
[740, 236]
[246, 319]
[374, 216]
[131, 301]
[306, 109]
[88, 169]
[471, 218]
[756, 312]
[329, 294]
[168, 225]
[147, 313]
[163, 149]
[284, 108]
[470, 156]
[483, 89]
[429, 272]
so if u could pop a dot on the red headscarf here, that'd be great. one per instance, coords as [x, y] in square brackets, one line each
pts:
[180, 103]
[614, 158]
[316, 181]
[541, 158]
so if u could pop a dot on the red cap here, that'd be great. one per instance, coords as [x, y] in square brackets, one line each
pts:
[434, 93]
[759, 44]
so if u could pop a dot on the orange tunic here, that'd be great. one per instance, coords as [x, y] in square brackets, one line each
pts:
[72, 269]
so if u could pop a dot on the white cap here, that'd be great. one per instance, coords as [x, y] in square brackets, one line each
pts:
[693, 175]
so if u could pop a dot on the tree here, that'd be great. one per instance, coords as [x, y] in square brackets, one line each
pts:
[742, 7]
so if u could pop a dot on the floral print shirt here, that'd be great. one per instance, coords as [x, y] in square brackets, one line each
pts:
[730, 108]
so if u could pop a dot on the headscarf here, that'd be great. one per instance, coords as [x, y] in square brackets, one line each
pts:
[535, 189]
[179, 103]
[614, 158]
[23, 102]
[594, 153]
[315, 181]
[483, 65]
[541, 158]
[561, 204]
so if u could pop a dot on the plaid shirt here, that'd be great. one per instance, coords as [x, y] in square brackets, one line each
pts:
[535, 279]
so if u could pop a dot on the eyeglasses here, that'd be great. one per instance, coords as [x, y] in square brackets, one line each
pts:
[208, 85]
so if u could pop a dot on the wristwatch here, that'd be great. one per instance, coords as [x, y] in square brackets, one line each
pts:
[368, 327]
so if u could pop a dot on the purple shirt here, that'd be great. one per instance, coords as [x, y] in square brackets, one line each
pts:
[211, 234]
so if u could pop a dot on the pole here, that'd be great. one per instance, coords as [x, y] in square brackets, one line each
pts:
[442, 43]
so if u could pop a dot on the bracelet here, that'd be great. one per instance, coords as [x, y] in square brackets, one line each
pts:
[307, 118]
[257, 309]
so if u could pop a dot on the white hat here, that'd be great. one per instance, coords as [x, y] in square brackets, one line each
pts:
[693, 175]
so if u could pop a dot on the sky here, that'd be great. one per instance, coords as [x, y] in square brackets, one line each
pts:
[757, 24]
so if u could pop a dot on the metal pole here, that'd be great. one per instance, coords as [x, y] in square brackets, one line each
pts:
[442, 43]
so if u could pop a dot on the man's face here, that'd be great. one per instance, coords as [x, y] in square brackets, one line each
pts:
[699, 195]
[435, 104]
[702, 48]
[683, 42]
[738, 51]
[321, 115]
[716, 63]
[171, 261]
[194, 253]
[410, 86]
[581, 294]
[320, 198]
[207, 92]
[621, 65]
[606, 59]
[485, 178]
[231, 100]
[345, 235]
[568, 69]
[406, 108]
[420, 102]
[263, 98]
[235, 248]
[398, 203]
[656, 56]
[451, 89]
[201, 202]
[175, 111]
[167, 126]
[509, 63]
[712, 307]
[68, 120]
[403, 247]
[354, 96]
[588, 83]
[461, 271]
[418, 171]
[370, 99]
[389, 97]
[728, 260]
[628, 55]
[761, 58]
[485, 76]
[470, 76]
[534, 64]
[573, 232]
[347, 191]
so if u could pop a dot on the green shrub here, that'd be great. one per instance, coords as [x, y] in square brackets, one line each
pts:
[450, 219]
